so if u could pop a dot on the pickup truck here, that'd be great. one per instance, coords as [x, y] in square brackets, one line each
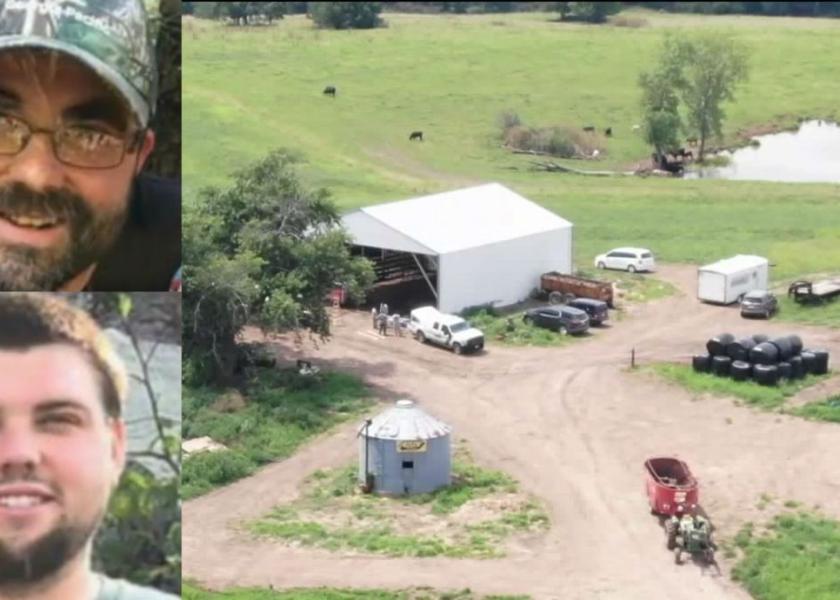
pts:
[449, 331]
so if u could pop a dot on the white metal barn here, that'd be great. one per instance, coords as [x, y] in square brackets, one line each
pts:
[479, 245]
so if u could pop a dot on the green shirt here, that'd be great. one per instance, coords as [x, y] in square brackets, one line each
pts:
[119, 589]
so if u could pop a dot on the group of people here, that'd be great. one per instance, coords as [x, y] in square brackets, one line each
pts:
[381, 320]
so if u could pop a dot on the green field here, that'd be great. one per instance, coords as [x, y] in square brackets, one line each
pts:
[796, 558]
[280, 410]
[761, 396]
[194, 592]
[248, 90]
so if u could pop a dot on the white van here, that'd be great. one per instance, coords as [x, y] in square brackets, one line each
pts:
[450, 331]
[626, 259]
[730, 279]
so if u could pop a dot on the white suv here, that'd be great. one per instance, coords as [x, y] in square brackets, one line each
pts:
[626, 259]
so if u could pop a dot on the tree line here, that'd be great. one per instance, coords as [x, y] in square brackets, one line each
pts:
[342, 15]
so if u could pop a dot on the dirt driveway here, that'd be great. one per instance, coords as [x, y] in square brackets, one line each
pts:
[574, 427]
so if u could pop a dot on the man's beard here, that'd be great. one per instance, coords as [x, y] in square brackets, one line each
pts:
[89, 236]
[43, 558]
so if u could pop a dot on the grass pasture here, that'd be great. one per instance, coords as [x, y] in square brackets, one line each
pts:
[472, 517]
[248, 90]
[796, 557]
[281, 410]
[750, 392]
[195, 592]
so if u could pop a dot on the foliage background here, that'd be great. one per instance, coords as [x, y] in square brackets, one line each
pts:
[140, 538]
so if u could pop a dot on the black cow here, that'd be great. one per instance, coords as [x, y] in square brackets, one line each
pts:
[608, 132]
[416, 135]
[329, 91]
[589, 128]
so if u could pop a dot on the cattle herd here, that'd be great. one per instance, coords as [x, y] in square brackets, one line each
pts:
[761, 359]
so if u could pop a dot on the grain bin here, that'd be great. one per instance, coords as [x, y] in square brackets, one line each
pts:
[404, 450]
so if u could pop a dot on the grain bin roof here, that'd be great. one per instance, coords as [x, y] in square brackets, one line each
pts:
[405, 421]
[451, 221]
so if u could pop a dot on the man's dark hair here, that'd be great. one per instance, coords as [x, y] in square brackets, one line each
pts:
[29, 320]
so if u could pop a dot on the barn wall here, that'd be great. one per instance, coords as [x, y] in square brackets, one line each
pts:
[502, 273]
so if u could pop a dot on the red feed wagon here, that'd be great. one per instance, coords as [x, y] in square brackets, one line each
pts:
[671, 488]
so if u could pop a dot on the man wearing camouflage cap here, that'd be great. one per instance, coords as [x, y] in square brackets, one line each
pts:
[77, 93]
[62, 450]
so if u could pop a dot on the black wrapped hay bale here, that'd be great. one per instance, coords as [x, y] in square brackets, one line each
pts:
[717, 345]
[721, 365]
[766, 374]
[797, 369]
[740, 349]
[820, 361]
[809, 362]
[796, 343]
[785, 370]
[764, 353]
[740, 370]
[700, 363]
[785, 347]
[760, 338]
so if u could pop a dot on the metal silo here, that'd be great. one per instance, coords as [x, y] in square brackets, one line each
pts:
[405, 451]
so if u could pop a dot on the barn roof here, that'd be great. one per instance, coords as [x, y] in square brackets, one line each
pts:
[451, 221]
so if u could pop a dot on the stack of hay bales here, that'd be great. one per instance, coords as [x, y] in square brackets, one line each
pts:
[759, 358]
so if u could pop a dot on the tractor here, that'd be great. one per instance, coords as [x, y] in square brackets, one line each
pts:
[692, 534]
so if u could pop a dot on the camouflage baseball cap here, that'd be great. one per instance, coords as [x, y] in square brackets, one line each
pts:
[111, 37]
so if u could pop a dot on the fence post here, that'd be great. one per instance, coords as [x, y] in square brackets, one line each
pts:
[633, 358]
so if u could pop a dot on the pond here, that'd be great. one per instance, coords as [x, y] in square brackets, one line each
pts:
[810, 154]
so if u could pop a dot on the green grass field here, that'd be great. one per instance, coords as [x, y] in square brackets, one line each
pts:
[194, 592]
[798, 558]
[248, 90]
[761, 396]
[282, 411]
[332, 514]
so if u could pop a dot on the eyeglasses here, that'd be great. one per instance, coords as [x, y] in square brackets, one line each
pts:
[74, 145]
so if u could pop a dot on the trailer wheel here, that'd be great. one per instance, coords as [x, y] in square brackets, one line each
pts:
[555, 298]
[678, 555]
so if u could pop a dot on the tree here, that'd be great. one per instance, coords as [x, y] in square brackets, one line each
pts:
[704, 72]
[267, 251]
[346, 15]
[591, 12]
[660, 106]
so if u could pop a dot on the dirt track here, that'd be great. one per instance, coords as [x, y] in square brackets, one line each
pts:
[574, 427]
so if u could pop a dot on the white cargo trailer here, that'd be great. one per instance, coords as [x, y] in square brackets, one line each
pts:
[727, 280]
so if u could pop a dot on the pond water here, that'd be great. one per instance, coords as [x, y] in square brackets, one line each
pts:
[810, 154]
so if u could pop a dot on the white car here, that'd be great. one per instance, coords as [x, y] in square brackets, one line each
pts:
[626, 259]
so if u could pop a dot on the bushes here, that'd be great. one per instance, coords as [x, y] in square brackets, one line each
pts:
[560, 141]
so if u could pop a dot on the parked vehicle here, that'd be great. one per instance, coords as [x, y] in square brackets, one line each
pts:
[805, 292]
[729, 280]
[692, 534]
[562, 288]
[562, 319]
[595, 309]
[450, 331]
[626, 259]
[759, 303]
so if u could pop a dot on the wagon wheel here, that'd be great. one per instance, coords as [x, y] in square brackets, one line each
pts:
[671, 534]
